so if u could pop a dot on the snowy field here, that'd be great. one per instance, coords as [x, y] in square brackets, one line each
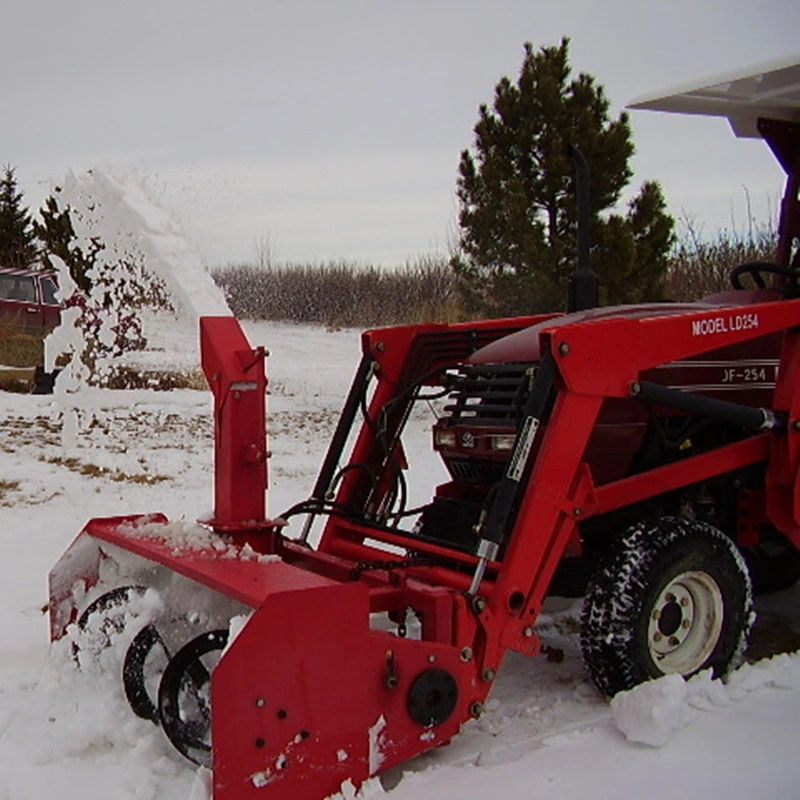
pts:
[547, 733]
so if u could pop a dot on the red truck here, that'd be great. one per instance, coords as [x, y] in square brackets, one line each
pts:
[28, 299]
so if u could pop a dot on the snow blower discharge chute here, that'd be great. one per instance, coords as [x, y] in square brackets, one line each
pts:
[645, 457]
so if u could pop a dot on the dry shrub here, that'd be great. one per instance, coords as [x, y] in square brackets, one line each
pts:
[155, 380]
[19, 348]
[21, 381]
[6, 488]
[20, 353]
[699, 266]
[89, 470]
[18, 381]
[343, 294]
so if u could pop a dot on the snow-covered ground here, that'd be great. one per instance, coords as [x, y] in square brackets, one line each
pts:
[547, 732]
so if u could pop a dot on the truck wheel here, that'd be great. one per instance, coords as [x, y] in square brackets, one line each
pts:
[671, 596]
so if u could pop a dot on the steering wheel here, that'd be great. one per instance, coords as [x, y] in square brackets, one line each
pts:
[757, 269]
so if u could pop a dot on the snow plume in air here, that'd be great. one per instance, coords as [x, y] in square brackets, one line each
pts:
[134, 248]
[133, 227]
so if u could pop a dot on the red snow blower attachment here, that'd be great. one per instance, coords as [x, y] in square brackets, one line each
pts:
[643, 456]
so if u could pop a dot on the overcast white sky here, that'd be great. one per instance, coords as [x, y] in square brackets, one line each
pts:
[333, 129]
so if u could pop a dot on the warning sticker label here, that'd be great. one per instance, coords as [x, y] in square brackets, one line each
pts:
[524, 443]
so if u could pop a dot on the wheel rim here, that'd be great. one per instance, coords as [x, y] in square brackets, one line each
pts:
[685, 623]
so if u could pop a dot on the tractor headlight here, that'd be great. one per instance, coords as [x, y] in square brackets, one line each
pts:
[444, 438]
[504, 442]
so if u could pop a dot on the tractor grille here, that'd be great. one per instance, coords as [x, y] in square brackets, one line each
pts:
[488, 394]
[475, 471]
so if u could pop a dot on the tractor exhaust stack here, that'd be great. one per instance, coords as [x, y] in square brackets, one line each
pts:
[583, 283]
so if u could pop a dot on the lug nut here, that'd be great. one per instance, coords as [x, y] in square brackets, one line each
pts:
[488, 675]
[476, 709]
[466, 654]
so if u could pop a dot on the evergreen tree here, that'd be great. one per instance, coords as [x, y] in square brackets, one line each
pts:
[17, 239]
[632, 253]
[516, 192]
[58, 238]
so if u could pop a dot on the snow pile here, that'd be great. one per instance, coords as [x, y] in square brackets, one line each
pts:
[369, 789]
[180, 534]
[58, 717]
[203, 785]
[96, 641]
[651, 712]
[779, 672]
[184, 535]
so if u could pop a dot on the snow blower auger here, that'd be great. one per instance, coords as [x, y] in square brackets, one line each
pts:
[631, 454]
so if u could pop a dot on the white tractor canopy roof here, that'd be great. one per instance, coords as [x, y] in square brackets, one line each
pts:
[770, 90]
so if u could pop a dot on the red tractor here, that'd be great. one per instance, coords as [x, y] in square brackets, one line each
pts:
[630, 453]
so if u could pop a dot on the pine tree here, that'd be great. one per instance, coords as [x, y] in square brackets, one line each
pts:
[516, 192]
[17, 239]
[632, 253]
[58, 238]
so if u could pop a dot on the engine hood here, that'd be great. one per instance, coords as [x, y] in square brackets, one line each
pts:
[523, 346]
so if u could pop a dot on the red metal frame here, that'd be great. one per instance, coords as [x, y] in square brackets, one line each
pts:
[235, 372]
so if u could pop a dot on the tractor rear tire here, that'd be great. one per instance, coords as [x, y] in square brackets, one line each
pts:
[671, 596]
